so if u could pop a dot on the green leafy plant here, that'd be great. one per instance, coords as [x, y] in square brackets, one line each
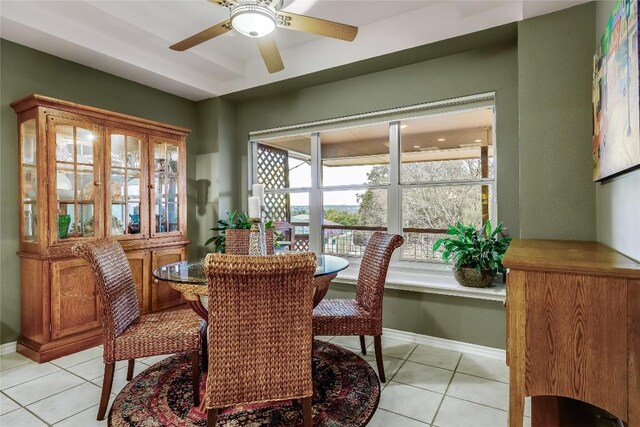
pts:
[237, 221]
[470, 248]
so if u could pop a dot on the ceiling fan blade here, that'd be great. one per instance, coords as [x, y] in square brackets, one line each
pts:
[270, 53]
[317, 26]
[203, 36]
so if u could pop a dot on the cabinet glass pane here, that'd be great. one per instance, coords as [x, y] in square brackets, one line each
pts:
[172, 191]
[84, 146]
[172, 216]
[166, 185]
[28, 132]
[117, 220]
[133, 186]
[118, 156]
[85, 222]
[64, 143]
[160, 190]
[84, 178]
[133, 153]
[29, 181]
[133, 218]
[172, 158]
[65, 182]
[161, 218]
[117, 186]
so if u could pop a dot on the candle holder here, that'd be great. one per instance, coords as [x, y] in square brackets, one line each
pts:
[257, 238]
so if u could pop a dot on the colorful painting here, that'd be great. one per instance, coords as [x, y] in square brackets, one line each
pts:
[616, 118]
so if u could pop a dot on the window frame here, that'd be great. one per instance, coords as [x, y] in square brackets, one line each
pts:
[393, 119]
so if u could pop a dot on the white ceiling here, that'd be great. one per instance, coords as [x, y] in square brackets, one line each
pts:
[131, 39]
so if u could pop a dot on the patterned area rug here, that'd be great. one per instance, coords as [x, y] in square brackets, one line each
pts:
[346, 394]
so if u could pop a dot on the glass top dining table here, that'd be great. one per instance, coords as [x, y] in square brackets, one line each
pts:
[188, 277]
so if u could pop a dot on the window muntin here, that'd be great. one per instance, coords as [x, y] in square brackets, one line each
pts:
[457, 172]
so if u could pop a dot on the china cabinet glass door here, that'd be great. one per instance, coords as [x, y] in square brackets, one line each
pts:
[126, 199]
[29, 185]
[167, 185]
[76, 180]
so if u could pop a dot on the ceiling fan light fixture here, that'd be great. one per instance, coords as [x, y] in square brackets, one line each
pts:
[253, 20]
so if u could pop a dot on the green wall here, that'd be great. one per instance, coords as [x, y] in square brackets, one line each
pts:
[25, 71]
[555, 60]
[484, 68]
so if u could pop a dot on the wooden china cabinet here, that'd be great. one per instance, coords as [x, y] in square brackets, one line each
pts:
[87, 173]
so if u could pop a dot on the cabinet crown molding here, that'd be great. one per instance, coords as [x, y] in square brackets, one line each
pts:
[36, 100]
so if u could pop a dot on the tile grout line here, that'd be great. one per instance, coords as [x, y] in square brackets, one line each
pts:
[404, 361]
[433, 420]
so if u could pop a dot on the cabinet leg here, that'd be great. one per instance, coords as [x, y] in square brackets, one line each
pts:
[516, 406]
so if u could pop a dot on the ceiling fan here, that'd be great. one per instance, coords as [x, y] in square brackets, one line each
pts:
[258, 18]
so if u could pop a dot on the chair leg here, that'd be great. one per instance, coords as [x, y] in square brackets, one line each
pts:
[132, 363]
[306, 412]
[195, 371]
[363, 347]
[377, 343]
[107, 381]
[212, 417]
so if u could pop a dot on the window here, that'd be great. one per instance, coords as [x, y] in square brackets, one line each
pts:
[329, 189]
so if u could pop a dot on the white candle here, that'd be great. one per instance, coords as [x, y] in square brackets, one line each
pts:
[254, 207]
[258, 191]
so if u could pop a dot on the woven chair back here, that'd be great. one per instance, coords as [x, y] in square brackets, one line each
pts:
[373, 270]
[260, 330]
[237, 242]
[115, 286]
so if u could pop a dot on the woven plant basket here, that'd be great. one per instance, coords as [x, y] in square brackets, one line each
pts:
[237, 241]
[473, 278]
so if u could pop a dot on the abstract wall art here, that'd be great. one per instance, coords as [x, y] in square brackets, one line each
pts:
[616, 104]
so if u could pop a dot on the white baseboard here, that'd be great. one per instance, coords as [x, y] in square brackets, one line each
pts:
[478, 350]
[7, 348]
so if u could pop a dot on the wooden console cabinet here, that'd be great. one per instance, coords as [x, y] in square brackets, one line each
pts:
[87, 173]
[573, 332]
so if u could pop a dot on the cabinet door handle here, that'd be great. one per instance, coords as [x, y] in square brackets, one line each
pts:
[151, 186]
[97, 183]
[504, 302]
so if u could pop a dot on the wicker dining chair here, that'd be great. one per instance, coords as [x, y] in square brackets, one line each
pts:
[259, 330]
[237, 241]
[128, 335]
[362, 315]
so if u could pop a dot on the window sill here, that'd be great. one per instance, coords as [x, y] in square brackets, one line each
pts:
[430, 281]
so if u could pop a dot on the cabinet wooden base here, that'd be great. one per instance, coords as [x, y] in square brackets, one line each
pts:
[42, 353]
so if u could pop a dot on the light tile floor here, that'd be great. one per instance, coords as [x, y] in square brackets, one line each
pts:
[426, 386]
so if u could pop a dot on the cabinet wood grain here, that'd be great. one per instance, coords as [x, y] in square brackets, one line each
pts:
[573, 315]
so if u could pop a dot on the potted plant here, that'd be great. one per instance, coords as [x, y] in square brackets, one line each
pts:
[235, 221]
[477, 254]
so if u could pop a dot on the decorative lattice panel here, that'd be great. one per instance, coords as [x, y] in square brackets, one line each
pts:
[273, 172]
[277, 207]
[301, 243]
